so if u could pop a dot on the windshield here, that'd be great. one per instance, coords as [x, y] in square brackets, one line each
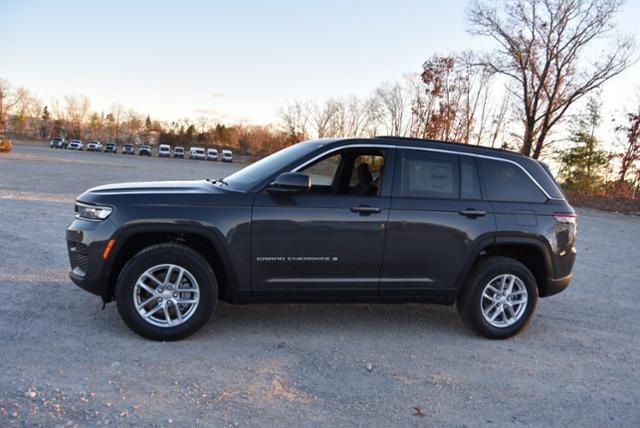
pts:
[258, 171]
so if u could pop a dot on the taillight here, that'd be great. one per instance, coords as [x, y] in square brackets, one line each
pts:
[569, 218]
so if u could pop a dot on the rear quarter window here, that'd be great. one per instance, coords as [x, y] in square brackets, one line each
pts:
[506, 182]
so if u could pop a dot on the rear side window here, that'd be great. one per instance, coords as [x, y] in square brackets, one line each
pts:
[506, 182]
[429, 175]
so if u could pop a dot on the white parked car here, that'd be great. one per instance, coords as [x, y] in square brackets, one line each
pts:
[94, 146]
[164, 151]
[76, 145]
[227, 156]
[178, 152]
[196, 153]
[212, 154]
[58, 143]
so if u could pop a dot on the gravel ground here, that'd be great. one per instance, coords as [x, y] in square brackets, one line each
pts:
[65, 360]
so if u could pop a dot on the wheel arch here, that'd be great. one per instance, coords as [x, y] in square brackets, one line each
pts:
[531, 252]
[206, 241]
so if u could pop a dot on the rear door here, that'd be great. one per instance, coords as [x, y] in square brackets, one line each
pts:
[438, 217]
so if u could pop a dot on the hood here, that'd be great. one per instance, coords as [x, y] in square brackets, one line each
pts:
[154, 187]
[159, 193]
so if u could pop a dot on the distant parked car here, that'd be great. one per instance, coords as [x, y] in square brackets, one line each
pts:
[128, 149]
[212, 154]
[178, 152]
[144, 151]
[58, 143]
[227, 156]
[164, 151]
[196, 153]
[111, 148]
[94, 146]
[76, 145]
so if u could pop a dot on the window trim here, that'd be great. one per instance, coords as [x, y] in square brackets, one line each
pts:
[427, 149]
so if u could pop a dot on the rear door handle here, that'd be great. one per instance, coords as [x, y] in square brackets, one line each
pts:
[470, 212]
[365, 209]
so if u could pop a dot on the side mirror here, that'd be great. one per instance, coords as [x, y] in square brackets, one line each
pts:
[290, 182]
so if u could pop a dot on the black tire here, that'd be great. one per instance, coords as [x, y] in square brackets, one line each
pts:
[470, 298]
[160, 254]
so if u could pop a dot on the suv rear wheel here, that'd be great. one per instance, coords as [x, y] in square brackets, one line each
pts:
[499, 298]
[166, 292]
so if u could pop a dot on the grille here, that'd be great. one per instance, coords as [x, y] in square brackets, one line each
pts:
[79, 256]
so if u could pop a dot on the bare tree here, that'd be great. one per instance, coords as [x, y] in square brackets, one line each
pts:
[323, 117]
[631, 143]
[9, 98]
[450, 95]
[499, 120]
[542, 47]
[76, 110]
[114, 121]
[295, 120]
[393, 104]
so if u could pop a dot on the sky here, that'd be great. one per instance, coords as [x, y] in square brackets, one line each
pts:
[237, 60]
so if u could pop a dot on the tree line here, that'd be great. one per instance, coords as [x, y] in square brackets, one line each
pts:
[524, 95]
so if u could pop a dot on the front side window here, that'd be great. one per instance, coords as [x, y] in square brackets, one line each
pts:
[348, 172]
[506, 182]
[322, 173]
[429, 175]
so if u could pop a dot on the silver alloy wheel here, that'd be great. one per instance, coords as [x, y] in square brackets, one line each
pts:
[166, 295]
[504, 300]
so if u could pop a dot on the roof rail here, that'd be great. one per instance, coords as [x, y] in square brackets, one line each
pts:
[456, 143]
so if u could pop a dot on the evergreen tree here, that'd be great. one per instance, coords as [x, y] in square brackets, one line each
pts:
[583, 165]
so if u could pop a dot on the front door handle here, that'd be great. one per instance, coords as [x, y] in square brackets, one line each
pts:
[470, 212]
[365, 209]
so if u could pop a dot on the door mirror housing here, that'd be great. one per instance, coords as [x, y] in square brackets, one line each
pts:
[290, 182]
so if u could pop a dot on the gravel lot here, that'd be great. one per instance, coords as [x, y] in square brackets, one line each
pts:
[65, 360]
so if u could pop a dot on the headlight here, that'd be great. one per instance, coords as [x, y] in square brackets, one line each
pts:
[92, 212]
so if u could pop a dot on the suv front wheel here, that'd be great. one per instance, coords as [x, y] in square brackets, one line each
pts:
[499, 298]
[166, 292]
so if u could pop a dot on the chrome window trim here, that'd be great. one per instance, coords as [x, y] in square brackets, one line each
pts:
[427, 149]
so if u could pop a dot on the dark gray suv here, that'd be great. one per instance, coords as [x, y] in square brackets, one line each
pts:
[332, 220]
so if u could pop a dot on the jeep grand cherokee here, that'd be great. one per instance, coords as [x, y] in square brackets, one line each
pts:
[366, 220]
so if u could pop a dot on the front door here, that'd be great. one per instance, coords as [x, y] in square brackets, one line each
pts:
[329, 240]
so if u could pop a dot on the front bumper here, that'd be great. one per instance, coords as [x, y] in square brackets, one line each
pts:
[86, 242]
[556, 285]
